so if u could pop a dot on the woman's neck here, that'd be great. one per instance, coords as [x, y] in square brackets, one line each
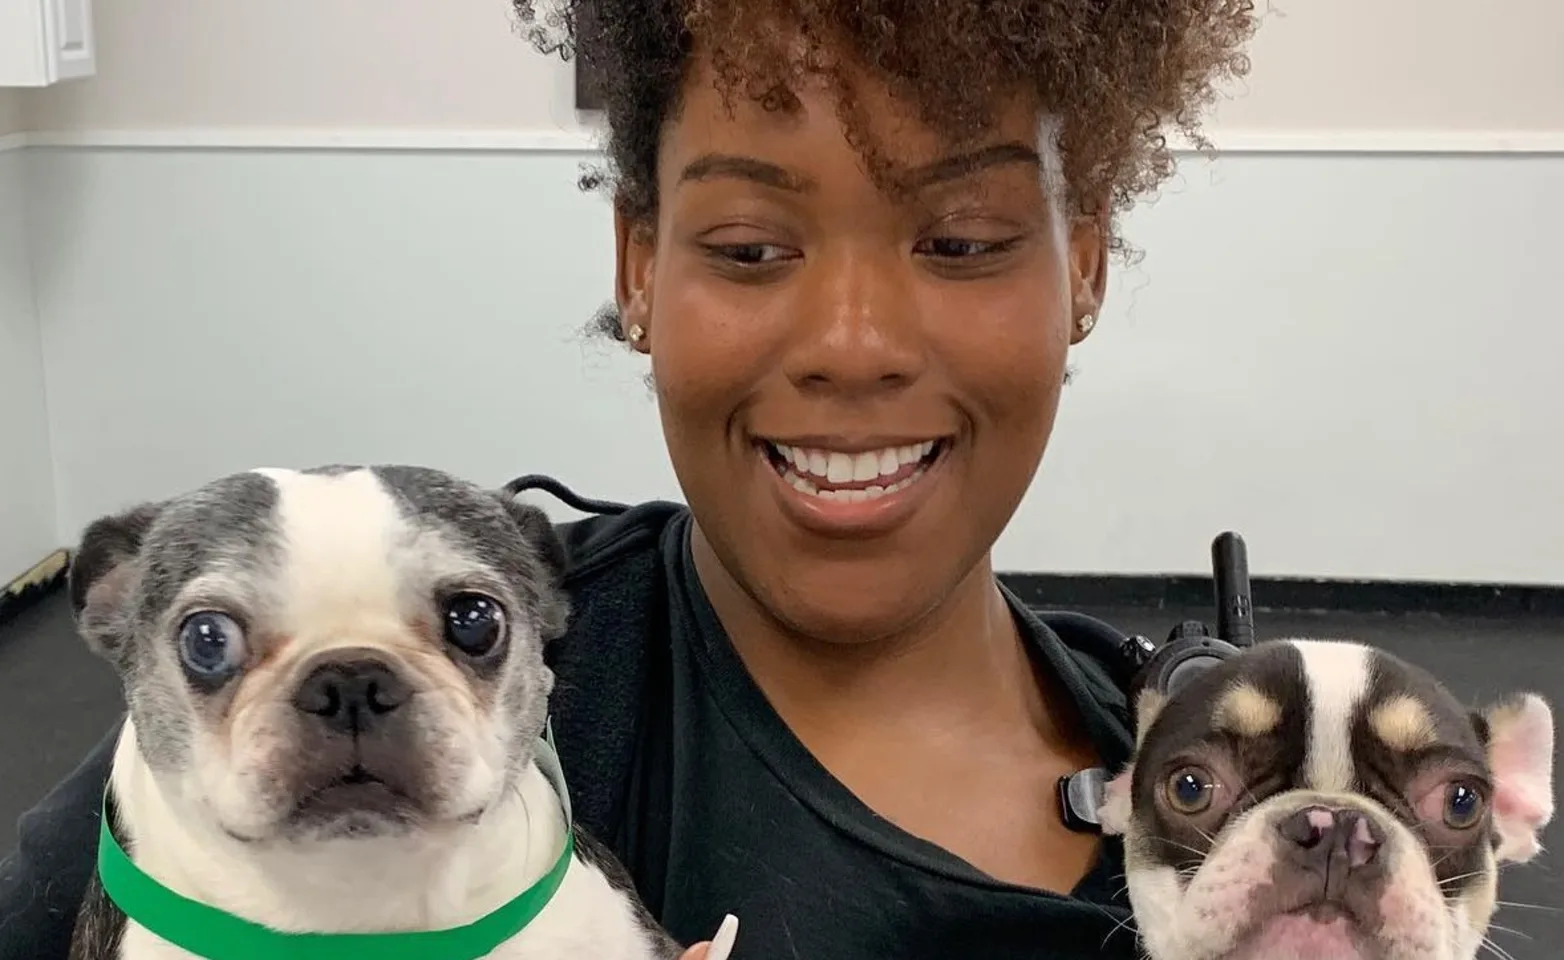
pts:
[960, 667]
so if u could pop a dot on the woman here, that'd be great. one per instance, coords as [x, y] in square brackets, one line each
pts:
[857, 269]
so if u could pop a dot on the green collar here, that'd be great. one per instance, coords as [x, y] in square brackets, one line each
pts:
[216, 935]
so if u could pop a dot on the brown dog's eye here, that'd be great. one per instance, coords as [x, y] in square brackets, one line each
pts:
[1463, 805]
[1190, 790]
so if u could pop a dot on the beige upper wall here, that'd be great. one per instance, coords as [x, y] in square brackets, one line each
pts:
[1404, 65]
[456, 64]
[11, 112]
[1354, 66]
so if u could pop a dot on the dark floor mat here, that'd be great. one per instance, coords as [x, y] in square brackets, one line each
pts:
[57, 699]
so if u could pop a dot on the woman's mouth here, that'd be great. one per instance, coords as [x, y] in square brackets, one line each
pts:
[856, 477]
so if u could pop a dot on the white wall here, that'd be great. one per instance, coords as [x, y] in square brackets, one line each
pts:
[10, 112]
[27, 508]
[1356, 301]
[1361, 378]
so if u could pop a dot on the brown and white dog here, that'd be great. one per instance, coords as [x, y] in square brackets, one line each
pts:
[1321, 800]
[336, 688]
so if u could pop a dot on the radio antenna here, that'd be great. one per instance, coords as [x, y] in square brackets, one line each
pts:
[1230, 579]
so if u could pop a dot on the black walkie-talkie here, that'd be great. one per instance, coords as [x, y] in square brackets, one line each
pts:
[1189, 650]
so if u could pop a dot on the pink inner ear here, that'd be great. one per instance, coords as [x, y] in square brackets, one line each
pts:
[1521, 755]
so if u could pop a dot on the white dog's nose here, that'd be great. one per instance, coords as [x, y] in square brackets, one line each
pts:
[351, 697]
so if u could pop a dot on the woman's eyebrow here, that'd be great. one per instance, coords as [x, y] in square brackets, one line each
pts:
[714, 166]
[965, 164]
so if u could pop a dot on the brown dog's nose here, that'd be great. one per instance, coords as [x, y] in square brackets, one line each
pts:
[351, 696]
[1331, 841]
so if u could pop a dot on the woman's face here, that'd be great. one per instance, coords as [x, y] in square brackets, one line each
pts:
[856, 385]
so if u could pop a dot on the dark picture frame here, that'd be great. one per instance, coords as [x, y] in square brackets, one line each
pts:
[588, 99]
[588, 96]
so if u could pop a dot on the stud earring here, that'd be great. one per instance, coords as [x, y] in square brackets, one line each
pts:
[1086, 323]
[636, 333]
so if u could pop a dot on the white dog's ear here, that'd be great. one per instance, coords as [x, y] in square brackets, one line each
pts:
[548, 548]
[1520, 755]
[100, 575]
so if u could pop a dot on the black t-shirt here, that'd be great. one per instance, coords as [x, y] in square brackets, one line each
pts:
[676, 760]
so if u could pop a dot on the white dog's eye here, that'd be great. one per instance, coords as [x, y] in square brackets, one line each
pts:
[211, 645]
[474, 623]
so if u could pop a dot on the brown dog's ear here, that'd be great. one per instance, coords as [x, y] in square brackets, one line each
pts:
[1147, 706]
[1520, 755]
[1115, 812]
[1114, 815]
[549, 548]
[99, 576]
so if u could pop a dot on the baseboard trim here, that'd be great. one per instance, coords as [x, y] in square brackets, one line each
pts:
[1287, 594]
[45, 577]
[587, 140]
[1179, 592]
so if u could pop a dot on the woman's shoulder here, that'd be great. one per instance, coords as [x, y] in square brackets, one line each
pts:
[598, 542]
[614, 644]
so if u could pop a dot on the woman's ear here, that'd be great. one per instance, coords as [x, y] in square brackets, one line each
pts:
[635, 252]
[1088, 273]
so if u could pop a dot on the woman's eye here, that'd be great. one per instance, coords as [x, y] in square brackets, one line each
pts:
[749, 254]
[960, 248]
[474, 623]
[211, 645]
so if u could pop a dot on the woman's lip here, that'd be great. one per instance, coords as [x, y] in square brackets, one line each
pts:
[841, 444]
[854, 519]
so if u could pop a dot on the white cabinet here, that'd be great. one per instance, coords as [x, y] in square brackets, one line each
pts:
[43, 42]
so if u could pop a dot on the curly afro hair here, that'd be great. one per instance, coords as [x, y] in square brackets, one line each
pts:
[1117, 74]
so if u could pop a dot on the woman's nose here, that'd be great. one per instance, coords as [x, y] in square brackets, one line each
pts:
[857, 330]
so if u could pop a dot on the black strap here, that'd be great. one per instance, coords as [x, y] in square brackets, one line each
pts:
[562, 493]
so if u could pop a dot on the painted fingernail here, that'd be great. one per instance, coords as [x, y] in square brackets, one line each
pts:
[722, 943]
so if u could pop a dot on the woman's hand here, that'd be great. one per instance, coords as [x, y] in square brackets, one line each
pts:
[718, 947]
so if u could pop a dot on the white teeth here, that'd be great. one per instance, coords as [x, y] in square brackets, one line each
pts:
[866, 466]
[835, 467]
[807, 470]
